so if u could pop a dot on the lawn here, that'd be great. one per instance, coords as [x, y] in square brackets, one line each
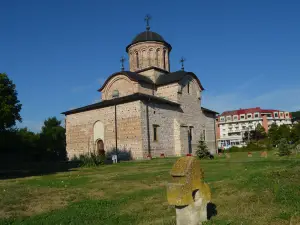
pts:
[245, 190]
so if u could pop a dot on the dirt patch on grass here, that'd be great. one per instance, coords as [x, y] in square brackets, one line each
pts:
[96, 193]
[46, 201]
[39, 200]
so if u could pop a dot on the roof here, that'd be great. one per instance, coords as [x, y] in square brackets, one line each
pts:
[209, 110]
[148, 36]
[121, 100]
[165, 79]
[175, 77]
[249, 110]
[131, 75]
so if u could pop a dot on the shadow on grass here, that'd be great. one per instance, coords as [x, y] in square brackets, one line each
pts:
[21, 170]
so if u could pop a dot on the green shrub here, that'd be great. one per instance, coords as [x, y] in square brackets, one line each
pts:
[253, 146]
[90, 159]
[202, 149]
[235, 149]
[283, 147]
[123, 154]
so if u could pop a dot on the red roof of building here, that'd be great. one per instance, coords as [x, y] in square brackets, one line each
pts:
[249, 110]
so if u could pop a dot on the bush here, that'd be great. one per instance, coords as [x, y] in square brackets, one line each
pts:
[123, 154]
[89, 159]
[235, 149]
[253, 146]
[202, 149]
[283, 147]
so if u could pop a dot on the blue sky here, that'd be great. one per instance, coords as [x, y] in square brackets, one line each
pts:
[58, 52]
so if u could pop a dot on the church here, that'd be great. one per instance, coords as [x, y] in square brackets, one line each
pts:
[147, 110]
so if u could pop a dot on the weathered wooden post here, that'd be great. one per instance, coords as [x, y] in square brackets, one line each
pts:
[188, 192]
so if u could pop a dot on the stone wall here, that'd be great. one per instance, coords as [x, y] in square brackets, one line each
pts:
[169, 92]
[146, 88]
[164, 116]
[80, 129]
[193, 116]
[147, 54]
[123, 84]
[210, 131]
[152, 73]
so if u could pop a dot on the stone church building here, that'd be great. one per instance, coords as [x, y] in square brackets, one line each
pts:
[147, 110]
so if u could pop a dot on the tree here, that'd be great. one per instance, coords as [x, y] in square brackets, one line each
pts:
[202, 149]
[255, 135]
[273, 134]
[283, 147]
[295, 133]
[28, 144]
[53, 139]
[296, 116]
[284, 131]
[10, 106]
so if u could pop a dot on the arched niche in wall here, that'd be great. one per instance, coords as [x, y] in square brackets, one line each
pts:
[98, 131]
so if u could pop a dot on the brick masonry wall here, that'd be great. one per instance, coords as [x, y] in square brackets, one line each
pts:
[123, 84]
[164, 116]
[153, 74]
[149, 54]
[168, 91]
[193, 116]
[79, 129]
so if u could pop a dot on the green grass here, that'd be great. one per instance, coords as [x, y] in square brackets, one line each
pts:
[245, 190]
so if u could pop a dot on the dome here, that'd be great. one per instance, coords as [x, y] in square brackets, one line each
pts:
[148, 36]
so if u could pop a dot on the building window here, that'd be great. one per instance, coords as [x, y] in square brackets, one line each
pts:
[235, 117]
[287, 115]
[203, 134]
[191, 133]
[242, 117]
[249, 116]
[275, 114]
[228, 118]
[281, 114]
[155, 137]
[188, 87]
[137, 60]
[222, 119]
[115, 94]
[256, 115]
[164, 58]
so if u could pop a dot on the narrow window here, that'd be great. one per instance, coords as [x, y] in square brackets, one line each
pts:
[137, 60]
[164, 59]
[156, 57]
[155, 132]
[188, 87]
[204, 138]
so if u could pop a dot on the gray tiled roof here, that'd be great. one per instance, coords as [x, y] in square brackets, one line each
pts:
[122, 100]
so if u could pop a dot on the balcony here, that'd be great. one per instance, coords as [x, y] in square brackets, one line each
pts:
[234, 131]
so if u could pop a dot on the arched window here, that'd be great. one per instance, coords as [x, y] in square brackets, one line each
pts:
[137, 60]
[164, 58]
[115, 94]
[156, 57]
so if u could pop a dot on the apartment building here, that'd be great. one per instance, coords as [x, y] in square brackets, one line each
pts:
[232, 125]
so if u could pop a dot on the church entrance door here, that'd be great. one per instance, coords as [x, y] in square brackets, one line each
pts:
[100, 147]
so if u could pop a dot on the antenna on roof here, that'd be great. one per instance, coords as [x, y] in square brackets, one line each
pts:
[147, 19]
